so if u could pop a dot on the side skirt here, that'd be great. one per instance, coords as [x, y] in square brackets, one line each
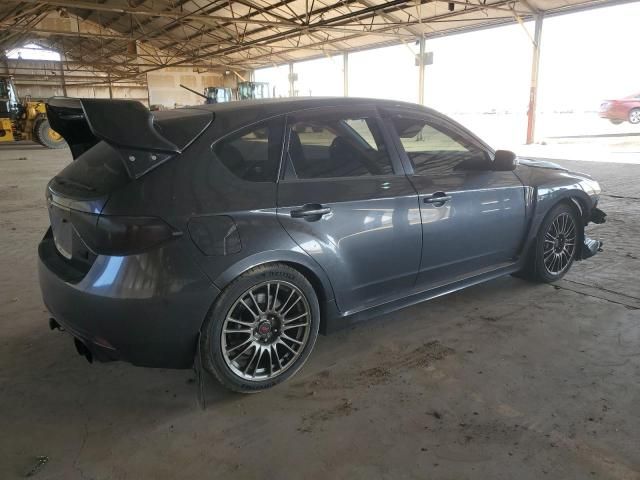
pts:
[335, 320]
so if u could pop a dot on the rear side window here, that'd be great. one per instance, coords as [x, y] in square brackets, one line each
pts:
[335, 146]
[435, 150]
[252, 154]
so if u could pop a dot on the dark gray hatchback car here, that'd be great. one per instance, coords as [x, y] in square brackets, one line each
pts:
[238, 231]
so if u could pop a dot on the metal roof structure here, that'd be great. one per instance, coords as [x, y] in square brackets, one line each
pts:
[127, 38]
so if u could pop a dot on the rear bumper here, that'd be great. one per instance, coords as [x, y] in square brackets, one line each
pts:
[145, 309]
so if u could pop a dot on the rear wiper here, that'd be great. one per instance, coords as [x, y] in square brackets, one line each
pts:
[66, 181]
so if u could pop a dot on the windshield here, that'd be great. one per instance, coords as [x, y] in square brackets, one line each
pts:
[223, 95]
[7, 91]
[251, 90]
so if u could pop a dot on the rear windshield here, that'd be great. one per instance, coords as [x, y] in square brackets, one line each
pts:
[96, 172]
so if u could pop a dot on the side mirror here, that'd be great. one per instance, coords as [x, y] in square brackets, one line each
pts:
[504, 161]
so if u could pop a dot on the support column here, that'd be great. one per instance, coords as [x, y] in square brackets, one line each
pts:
[291, 81]
[62, 79]
[533, 93]
[421, 71]
[110, 90]
[345, 74]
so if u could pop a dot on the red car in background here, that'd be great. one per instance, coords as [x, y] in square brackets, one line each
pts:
[623, 110]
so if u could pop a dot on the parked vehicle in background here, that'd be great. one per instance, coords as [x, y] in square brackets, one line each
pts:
[625, 109]
[231, 234]
[253, 90]
[24, 120]
[245, 91]
[218, 94]
[213, 95]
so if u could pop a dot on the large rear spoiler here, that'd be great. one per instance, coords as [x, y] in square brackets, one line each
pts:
[143, 139]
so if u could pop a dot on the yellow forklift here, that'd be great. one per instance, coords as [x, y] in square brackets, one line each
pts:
[24, 121]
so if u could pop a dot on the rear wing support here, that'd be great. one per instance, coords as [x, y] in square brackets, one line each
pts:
[126, 125]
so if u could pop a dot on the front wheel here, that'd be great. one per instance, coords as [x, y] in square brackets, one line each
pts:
[556, 244]
[615, 121]
[261, 329]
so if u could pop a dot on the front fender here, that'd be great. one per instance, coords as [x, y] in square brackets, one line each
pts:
[547, 198]
[549, 185]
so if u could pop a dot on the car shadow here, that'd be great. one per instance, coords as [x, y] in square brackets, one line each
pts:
[63, 381]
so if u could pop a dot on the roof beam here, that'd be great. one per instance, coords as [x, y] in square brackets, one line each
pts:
[341, 20]
[486, 6]
[263, 44]
[207, 19]
[391, 17]
[65, 33]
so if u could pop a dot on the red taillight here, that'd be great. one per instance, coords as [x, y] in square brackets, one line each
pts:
[121, 235]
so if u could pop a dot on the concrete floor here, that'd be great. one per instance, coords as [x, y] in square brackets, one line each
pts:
[508, 380]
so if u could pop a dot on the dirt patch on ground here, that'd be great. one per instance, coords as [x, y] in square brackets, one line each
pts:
[326, 382]
[342, 409]
[394, 363]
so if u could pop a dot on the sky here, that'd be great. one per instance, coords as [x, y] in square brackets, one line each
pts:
[32, 52]
[590, 56]
[586, 57]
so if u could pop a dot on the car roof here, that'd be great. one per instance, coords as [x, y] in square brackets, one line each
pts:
[275, 106]
[258, 110]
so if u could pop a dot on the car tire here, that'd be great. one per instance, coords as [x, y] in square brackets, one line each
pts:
[46, 136]
[270, 314]
[616, 121]
[634, 116]
[556, 245]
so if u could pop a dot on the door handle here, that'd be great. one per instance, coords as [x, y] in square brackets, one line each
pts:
[310, 211]
[438, 198]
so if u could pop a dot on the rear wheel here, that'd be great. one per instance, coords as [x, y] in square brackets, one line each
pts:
[261, 329]
[634, 116]
[615, 121]
[46, 136]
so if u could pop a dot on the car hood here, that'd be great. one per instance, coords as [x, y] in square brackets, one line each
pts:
[543, 173]
[548, 165]
[538, 163]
